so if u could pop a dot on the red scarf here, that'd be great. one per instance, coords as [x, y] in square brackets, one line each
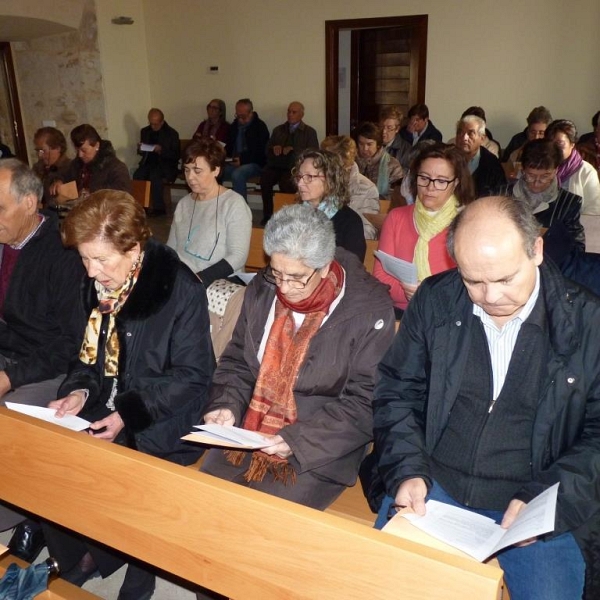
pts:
[273, 405]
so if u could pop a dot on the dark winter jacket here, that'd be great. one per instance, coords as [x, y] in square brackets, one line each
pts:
[168, 139]
[165, 359]
[421, 375]
[108, 172]
[489, 174]
[43, 322]
[255, 147]
[335, 383]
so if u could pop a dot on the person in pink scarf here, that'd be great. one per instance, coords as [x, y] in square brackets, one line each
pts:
[575, 174]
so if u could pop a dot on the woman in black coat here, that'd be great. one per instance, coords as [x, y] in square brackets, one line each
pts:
[146, 359]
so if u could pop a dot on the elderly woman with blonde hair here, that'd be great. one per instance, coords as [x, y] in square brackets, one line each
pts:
[364, 197]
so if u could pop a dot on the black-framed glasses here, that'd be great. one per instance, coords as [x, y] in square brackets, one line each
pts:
[438, 184]
[275, 278]
[306, 178]
[193, 231]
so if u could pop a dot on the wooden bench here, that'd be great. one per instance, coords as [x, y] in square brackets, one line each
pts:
[236, 541]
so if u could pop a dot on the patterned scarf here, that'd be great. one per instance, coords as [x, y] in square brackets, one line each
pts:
[568, 167]
[273, 405]
[428, 225]
[109, 302]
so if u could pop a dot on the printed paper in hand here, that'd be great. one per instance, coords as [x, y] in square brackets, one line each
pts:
[47, 414]
[479, 536]
[147, 147]
[228, 436]
[396, 267]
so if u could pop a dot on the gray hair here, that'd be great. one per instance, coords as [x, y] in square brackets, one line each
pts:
[302, 233]
[518, 213]
[24, 181]
[473, 119]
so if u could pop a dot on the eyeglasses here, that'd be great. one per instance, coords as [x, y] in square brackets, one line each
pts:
[390, 128]
[438, 184]
[276, 279]
[192, 233]
[306, 178]
[43, 150]
[471, 133]
[534, 179]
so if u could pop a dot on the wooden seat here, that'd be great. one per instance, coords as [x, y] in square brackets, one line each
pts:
[369, 261]
[257, 259]
[280, 200]
[140, 190]
[234, 540]
[377, 219]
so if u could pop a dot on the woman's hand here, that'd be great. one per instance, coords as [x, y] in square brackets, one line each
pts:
[221, 416]
[279, 448]
[55, 187]
[409, 289]
[69, 405]
[110, 426]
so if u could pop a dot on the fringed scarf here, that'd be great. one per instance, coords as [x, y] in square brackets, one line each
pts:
[428, 225]
[273, 405]
[110, 302]
[568, 167]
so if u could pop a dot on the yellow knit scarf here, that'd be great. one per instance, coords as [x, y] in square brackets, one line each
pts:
[428, 225]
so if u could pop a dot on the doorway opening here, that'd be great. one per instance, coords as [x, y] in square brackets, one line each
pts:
[11, 123]
[370, 64]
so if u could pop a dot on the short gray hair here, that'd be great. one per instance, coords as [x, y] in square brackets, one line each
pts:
[473, 119]
[302, 233]
[518, 213]
[24, 181]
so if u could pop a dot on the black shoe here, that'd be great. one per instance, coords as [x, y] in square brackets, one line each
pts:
[84, 570]
[27, 541]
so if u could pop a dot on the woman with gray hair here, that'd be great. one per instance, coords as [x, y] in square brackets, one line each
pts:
[301, 365]
[323, 183]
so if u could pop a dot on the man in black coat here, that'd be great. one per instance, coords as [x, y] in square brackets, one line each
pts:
[485, 168]
[41, 321]
[488, 396]
[160, 150]
[246, 147]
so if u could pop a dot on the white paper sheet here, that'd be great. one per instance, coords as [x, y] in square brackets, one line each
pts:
[147, 147]
[396, 267]
[245, 277]
[47, 414]
[228, 436]
[479, 536]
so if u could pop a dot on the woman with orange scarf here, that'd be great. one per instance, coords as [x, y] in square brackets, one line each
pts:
[301, 364]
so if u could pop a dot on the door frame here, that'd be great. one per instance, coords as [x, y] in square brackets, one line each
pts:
[8, 66]
[332, 38]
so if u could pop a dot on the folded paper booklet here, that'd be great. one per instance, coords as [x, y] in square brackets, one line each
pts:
[479, 536]
[396, 267]
[228, 436]
[67, 192]
[47, 414]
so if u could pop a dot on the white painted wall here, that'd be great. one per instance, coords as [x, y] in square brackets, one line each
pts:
[125, 74]
[505, 55]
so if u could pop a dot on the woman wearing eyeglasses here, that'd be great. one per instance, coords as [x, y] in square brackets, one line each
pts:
[301, 364]
[575, 174]
[212, 225]
[215, 126]
[53, 163]
[145, 363]
[322, 183]
[441, 183]
[555, 208]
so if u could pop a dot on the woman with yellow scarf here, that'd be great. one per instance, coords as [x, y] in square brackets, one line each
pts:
[441, 183]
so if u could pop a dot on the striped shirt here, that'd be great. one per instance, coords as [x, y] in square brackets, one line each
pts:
[501, 340]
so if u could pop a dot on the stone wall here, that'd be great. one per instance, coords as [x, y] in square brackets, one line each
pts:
[60, 79]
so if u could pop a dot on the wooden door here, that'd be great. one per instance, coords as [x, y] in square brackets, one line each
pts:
[11, 124]
[388, 65]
